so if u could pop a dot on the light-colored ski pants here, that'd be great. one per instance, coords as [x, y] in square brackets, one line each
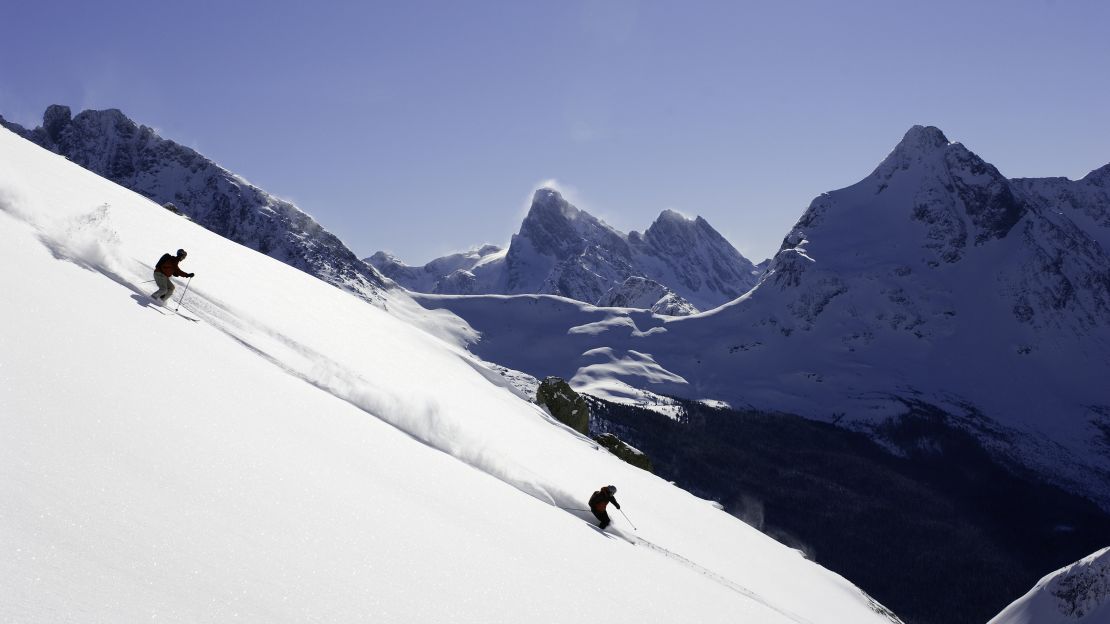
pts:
[165, 286]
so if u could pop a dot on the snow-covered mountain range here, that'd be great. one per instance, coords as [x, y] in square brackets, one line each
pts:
[1075, 594]
[679, 265]
[933, 285]
[559, 249]
[110, 144]
[283, 452]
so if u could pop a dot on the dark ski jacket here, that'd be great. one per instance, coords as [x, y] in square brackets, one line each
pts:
[167, 265]
[601, 499]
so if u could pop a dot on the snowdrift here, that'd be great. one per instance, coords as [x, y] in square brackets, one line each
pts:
[297, 454]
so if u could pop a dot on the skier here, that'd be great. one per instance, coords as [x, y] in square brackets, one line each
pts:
[600, 500]
[166, 268]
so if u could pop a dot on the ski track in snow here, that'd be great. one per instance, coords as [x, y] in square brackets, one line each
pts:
[87, 242]
[743, 591]
[635, 540]
[338, 381]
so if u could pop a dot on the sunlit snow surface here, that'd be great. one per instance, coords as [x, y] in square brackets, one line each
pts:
[298, 455]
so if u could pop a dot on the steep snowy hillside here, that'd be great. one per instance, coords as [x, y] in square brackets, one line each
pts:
[931, 284]
[108, 143]
[1075, 594]
[565, 251]
[295, 454]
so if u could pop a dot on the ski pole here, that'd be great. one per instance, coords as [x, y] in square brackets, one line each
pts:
[190, 281]
[626, 518]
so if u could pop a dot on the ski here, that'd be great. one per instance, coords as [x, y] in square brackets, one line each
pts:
[186, 316]
[165, 310]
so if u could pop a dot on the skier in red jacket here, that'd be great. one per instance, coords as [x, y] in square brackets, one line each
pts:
[166, 268]
[600, 500]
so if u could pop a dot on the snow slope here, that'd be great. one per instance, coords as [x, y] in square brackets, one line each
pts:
[298, 455]
[933, 284]
[1075, 594]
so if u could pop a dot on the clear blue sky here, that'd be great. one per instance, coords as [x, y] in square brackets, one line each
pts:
[423, 127]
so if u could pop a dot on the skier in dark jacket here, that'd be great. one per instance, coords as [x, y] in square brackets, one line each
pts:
[166, 268]
[600, 500]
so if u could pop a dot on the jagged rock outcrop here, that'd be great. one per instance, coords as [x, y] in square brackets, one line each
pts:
[572, 409]
[566, 405]
[627, 453]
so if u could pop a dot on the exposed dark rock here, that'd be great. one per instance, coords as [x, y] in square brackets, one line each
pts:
[566, 405]
[628, 453]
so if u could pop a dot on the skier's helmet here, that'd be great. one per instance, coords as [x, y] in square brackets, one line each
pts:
[181, 253]
[612, 489]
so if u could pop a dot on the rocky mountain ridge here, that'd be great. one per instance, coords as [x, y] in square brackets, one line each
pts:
[111, 145]
[566, 251]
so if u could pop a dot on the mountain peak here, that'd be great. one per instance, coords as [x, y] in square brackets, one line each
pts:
[547, 196]
[548, 202]
[382, 257]
[560, 233]
[923, 139]
[673, 216]
[920, 143]
[106, 118]
[671, 223]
